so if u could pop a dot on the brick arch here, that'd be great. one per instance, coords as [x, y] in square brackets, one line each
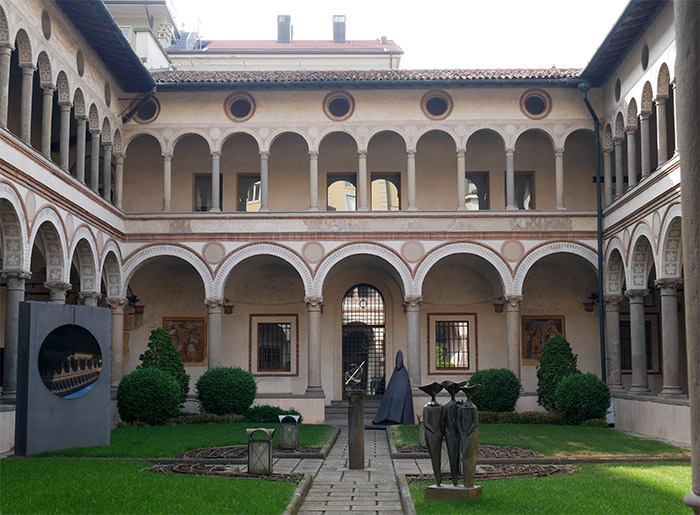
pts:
[607, 137]
[647, 98]
[663, 81]
[4, 28]
[13, 229]
[106, 131]
[63, 87]
[619, 126]
[502, 269]
[79, 103]
[358, 249]
[262, 249]
[94, 118]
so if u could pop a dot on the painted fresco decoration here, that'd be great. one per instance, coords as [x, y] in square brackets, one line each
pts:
[190, 339]
[536, 330]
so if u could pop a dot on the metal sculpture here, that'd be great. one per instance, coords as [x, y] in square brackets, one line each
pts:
[434, 432]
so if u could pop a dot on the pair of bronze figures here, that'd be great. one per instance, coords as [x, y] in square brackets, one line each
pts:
[456, 423]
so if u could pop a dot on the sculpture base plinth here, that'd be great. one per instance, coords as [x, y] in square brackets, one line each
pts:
[452, 492]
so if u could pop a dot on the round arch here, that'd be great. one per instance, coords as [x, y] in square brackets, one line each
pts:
[189, 132]
[332, 130]
[670, 254]
[48, 228]
[619, 126]
[63, 87]
[94, 118]
[502, 269]
[110, 269]
[86, 252]
[662, 82]
[567, 247]
[541, 130]
[79, 103]
[267, 145]
[106, 131]
[262, 249]
[13, 228]
[476, 130]
[24, 48]
[641, 249]
[614, 271]
[4, 28]
[379, 130]
[218, 145]
[131, 136]
[44, 66]
[355, 249]
[440, 128]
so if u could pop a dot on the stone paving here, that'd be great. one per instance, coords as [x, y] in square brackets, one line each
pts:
[337, 489]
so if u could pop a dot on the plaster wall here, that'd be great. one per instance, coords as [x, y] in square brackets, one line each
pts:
[653, 416]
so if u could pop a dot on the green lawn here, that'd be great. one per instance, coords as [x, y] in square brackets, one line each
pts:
[558, 440]
[168, 441]
[114, 486]
[610, 489]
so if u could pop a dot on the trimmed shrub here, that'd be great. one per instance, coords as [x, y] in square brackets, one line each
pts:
[147, 395]
[162, 354]
[596, 422]
[580, 397]
[266, 413]
[501, 392]
[225, 390]
[557, 362]
[527, 417]
[203, 418]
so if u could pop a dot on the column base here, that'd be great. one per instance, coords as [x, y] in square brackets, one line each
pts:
[561, 208]
[640, 390]
[511, 208]
[166, 210]
[264, 210]
[616, 387]
[412, 209]
[8, 397]
[313, 209]
[215, 210]
[462, 208]
[672, 392]
[314, 391]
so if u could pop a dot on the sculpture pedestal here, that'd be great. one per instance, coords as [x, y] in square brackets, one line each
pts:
[356, 428]
[452, 492]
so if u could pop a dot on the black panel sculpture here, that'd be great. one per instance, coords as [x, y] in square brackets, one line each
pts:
[433, 424]
[452, 430]
[397, 404]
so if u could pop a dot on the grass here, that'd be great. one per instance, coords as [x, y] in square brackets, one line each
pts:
[558, 440]
[114, 486]
[605, 489]
[168, 441]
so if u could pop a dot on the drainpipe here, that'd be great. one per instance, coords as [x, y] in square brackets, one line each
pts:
[584, 87]
[145, 99]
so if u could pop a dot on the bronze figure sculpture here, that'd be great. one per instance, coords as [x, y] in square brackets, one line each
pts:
[467, 422]
[451, 428]
[433, 423]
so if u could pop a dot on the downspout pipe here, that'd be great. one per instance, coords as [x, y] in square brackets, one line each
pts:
[133, 110]
[584, 87]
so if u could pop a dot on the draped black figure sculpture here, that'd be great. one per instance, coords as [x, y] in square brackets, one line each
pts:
[452, 429]
[433, 423]
[467, 423]
[397, 403]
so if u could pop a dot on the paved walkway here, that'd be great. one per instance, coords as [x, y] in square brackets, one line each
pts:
[337, 489]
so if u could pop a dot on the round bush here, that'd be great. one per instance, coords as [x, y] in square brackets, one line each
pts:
[501, 392]
[580, 397]
[557, 362]
[268, 414]
[226, 390]
[162, 354]
[148, 395]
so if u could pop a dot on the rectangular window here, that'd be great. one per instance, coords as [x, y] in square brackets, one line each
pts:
[452, 343]
[652, 345]
[386, 192]
[202, 192]
[249, 191]
[477, 195]
[274, 345]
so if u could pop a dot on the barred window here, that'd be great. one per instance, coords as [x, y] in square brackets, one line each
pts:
[451, 344]
[274, 346]
[626, 345]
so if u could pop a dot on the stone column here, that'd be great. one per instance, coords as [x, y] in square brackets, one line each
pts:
[89, 298]
[5, 53]
[413, 339]
[25, 117]
[640, 382]
[687, 102]
[167, 181]
[510, 180]
[117, 306]
[64, 139]
[215, 181]
[675, 116]
[314, 306]
[607, 176]
[14, 295]
[46, 116]
[214, 332]
[646, 144]
[107, 172]
[313, 180]
[612, 337]
[513, 324]
[411, 171]
[57, 291]
[669, 337]
[559, 176]
[661, 131]
[80, 148]
[264, 182]
[461, 180]
[362, 182]
[631, 156]
[619, 172]
[119, 180]
[95, 159]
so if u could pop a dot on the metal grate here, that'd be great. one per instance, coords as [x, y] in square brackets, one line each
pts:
[274, 346]
[626, 345]
[452, 344]
[364, 337]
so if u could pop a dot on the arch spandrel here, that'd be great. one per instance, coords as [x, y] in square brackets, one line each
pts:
[24, 47]
[111, 269]
[331, 130]
[172, 144]
[641, 257]
[131, 136]
[614, 272]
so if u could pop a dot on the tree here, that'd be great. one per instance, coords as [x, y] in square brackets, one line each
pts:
[161, 354]
[557, 362]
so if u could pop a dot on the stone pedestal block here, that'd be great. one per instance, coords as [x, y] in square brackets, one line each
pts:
[452, 492]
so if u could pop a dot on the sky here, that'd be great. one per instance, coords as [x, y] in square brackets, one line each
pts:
[438, 34]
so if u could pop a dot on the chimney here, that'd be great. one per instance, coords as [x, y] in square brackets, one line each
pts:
[339, 29]
[384, 41]
[284, 28]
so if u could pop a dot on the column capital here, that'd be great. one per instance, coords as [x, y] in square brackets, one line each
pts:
[661, 99]
[411, 152]
[81, 118]
[636, 294]
[95, 130]
[607, 150]
[264, 154]
[510, 152]
[48, 88]
[117, 304]
[27, 69]
[89, 295]
[313, 154]
[461, 152]
[119, 156]
[6, 48]
[644, 115]
[11, 275]
[513, 302]
[167, 155]
[65, 105]
[413, 302]
[314, 303]
[558, 151]
[631, 129]
[362, 153]
[107, 145]
[613, 301]
[668, 283]
[215, 154]
[618, 141]
[58, 290]
[215, 305]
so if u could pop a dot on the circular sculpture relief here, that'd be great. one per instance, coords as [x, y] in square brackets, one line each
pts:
[80, 62]
[239, 106]
[148, 112]
[536, 103]
[46, 24]
[412, 251]
[338, 105]
[70, 361]
[313, 252]
[214, 252]
[436, 104]
[512, 250]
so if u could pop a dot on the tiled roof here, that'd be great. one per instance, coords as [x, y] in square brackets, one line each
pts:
[303, 46]
[199, 78]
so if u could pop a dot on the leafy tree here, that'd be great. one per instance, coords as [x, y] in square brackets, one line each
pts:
[161, 354]
[557, 362]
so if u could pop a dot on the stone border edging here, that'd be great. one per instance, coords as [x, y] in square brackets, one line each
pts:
[330, 443]
[299, 495]
[405, 495]
[392, 445]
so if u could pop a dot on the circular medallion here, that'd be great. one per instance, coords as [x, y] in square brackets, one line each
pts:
[512, 250]
[214, 252]
[69, 225]
[313, 252]
[412, 251]
[656, 224]
[30, 204]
